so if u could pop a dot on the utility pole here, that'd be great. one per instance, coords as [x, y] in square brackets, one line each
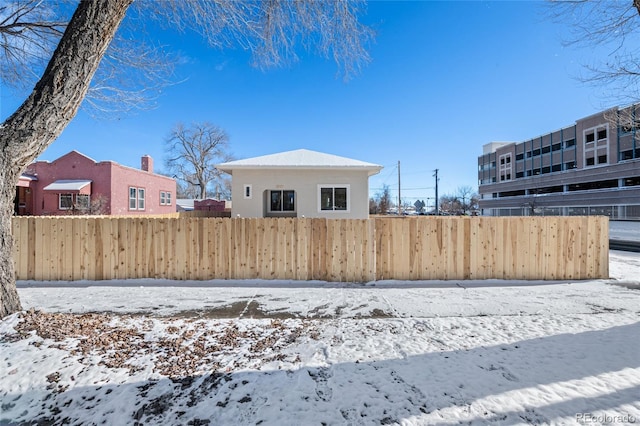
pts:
[435, 174]
[399, 206]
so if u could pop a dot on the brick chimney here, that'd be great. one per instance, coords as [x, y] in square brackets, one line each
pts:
[147, 163]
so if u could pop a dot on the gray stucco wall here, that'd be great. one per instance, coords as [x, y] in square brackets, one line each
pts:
[305, 183]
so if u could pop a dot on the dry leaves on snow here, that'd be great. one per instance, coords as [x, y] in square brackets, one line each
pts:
[173, 348]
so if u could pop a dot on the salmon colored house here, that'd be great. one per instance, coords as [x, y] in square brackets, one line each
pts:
[77, 184]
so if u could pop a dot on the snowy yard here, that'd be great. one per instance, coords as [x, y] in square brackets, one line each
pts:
[292, 353]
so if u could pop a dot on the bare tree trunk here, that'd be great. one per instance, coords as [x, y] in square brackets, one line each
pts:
[46, 112]
[8, 293]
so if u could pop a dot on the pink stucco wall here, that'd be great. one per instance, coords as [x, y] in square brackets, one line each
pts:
[110, 182]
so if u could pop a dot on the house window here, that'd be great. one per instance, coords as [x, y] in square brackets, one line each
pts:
[247, 192]
[82, 201]
[165, 198]
[140, 199]
[65, 201]
[334, 198]
[282, 201]
[133, 198]
[136, 198]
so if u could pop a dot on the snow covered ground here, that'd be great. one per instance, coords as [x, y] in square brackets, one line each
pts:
[312, 353]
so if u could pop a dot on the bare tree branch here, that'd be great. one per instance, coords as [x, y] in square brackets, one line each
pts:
[610, 25]
[193, 152]
[29, 31]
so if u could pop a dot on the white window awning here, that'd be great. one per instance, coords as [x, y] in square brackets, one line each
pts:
[67, 185]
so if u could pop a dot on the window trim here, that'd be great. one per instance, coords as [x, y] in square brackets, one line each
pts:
[333, 186]
[594, 148]
[60, 201]
[506, 168]
[142, 199]
[165, 198]
[77, 203]
[247, 191]
[133, 196]
[74, 203]
[138, 201]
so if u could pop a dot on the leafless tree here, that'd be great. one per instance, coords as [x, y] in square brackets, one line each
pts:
[382, 201]
[373, 206]
[467, 197]
[193, 152]
[464, 201]
[272, 30]
[98, 205]
[450, 204]
[614, 27]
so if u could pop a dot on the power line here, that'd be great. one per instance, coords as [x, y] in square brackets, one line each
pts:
[404, 189]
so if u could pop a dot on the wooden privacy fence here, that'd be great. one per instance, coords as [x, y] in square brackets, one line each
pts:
[421, 248]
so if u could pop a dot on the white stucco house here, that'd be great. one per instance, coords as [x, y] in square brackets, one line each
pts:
[300, 183]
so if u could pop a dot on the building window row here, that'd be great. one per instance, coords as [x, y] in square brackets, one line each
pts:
[548, 169]
[546, 149]
[507, 173]
[631, 181]
[629, 154]
[487, 166]
[583, 186]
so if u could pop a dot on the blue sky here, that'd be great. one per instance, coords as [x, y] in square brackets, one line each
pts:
[445, 78]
